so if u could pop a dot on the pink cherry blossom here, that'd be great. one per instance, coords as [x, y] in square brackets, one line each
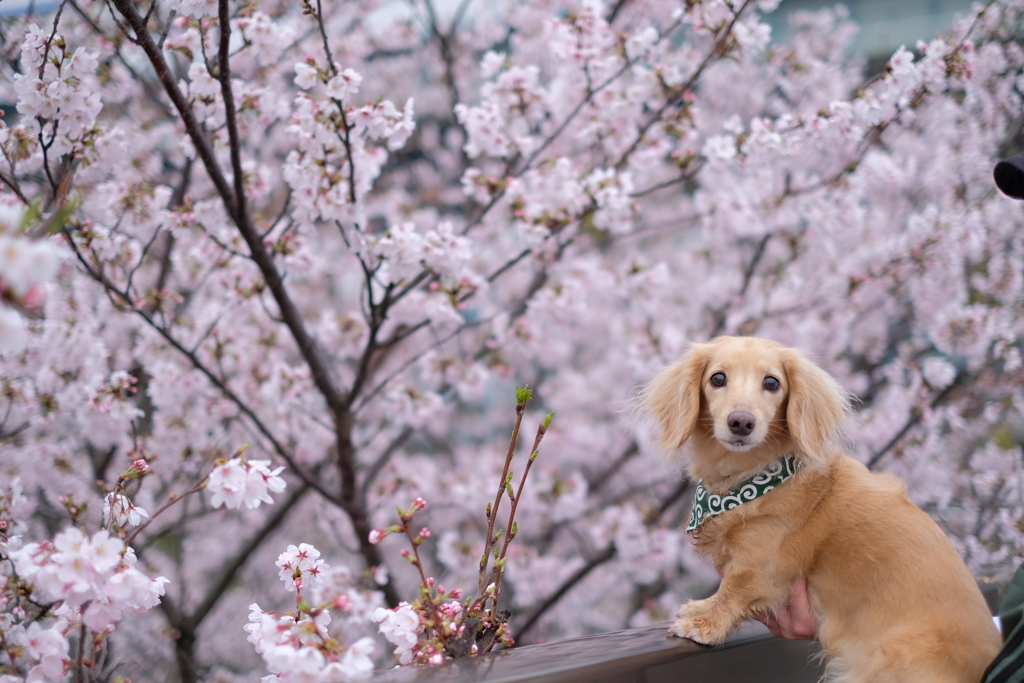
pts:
[119, 510]
[248, 482]
[300, 566]
[344, 84]
[401, 626]
[349, 246]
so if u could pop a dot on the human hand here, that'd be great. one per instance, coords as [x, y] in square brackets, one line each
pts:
[794, 620]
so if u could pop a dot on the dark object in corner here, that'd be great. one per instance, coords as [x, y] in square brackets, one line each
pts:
[1008, 666]
[1009, 175]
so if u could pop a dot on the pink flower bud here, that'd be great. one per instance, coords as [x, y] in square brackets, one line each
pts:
[437, 659]
[34, 296]
[430, 581]
[405, 553]
[419, 503]
[425, 532]
[342, 603]
[141, 465]
[377, 535]
[456, 594]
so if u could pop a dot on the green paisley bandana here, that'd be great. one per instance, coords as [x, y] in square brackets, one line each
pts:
[706, 506]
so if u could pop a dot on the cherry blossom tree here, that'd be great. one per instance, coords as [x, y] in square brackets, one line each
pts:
[341, 232]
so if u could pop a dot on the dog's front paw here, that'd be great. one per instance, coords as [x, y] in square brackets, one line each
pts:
[697, 629]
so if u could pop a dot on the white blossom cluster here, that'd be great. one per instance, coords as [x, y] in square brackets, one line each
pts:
[301, 650]
[60, 91]
[301, 567]
[238, 482]
[92, 574]
[119, 510]
[26, 265]
[402, 627]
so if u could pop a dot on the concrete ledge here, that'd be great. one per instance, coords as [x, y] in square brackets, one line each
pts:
[643, 655]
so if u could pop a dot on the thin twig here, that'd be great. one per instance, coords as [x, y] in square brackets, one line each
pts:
[221, 386]
[229, 570]
[489, 540]
[510, 525]
[13, 184]
[912, 421]
[378, 464]
[200, 485]
[602, 556]
[681, 90]
[49, 41]
[242, 219]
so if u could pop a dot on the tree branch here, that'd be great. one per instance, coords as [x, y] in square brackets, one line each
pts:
[199, 365]
[234, 198]
[380, 462]
[230, 569]
[912, 421]
[604, 555]
[537, 612]
[681, 90]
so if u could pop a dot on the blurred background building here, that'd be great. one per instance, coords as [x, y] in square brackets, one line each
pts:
[885, 24]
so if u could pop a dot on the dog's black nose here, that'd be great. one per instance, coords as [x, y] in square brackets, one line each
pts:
[741, 423]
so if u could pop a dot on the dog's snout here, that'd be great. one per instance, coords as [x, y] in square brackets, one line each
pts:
[741, 423]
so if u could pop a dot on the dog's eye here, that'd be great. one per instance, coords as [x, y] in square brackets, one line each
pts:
[718, 379]
[771, 384]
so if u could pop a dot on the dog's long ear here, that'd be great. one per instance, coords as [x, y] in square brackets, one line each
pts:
[818, 408]
[673, 397]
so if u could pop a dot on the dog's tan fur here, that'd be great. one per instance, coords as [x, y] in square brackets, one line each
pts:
[894, 600]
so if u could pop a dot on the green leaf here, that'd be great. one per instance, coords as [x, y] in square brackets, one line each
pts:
[548, 418]
[57, 220]
[523, 395]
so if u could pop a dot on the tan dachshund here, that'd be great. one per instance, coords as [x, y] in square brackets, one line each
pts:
[893, 599]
